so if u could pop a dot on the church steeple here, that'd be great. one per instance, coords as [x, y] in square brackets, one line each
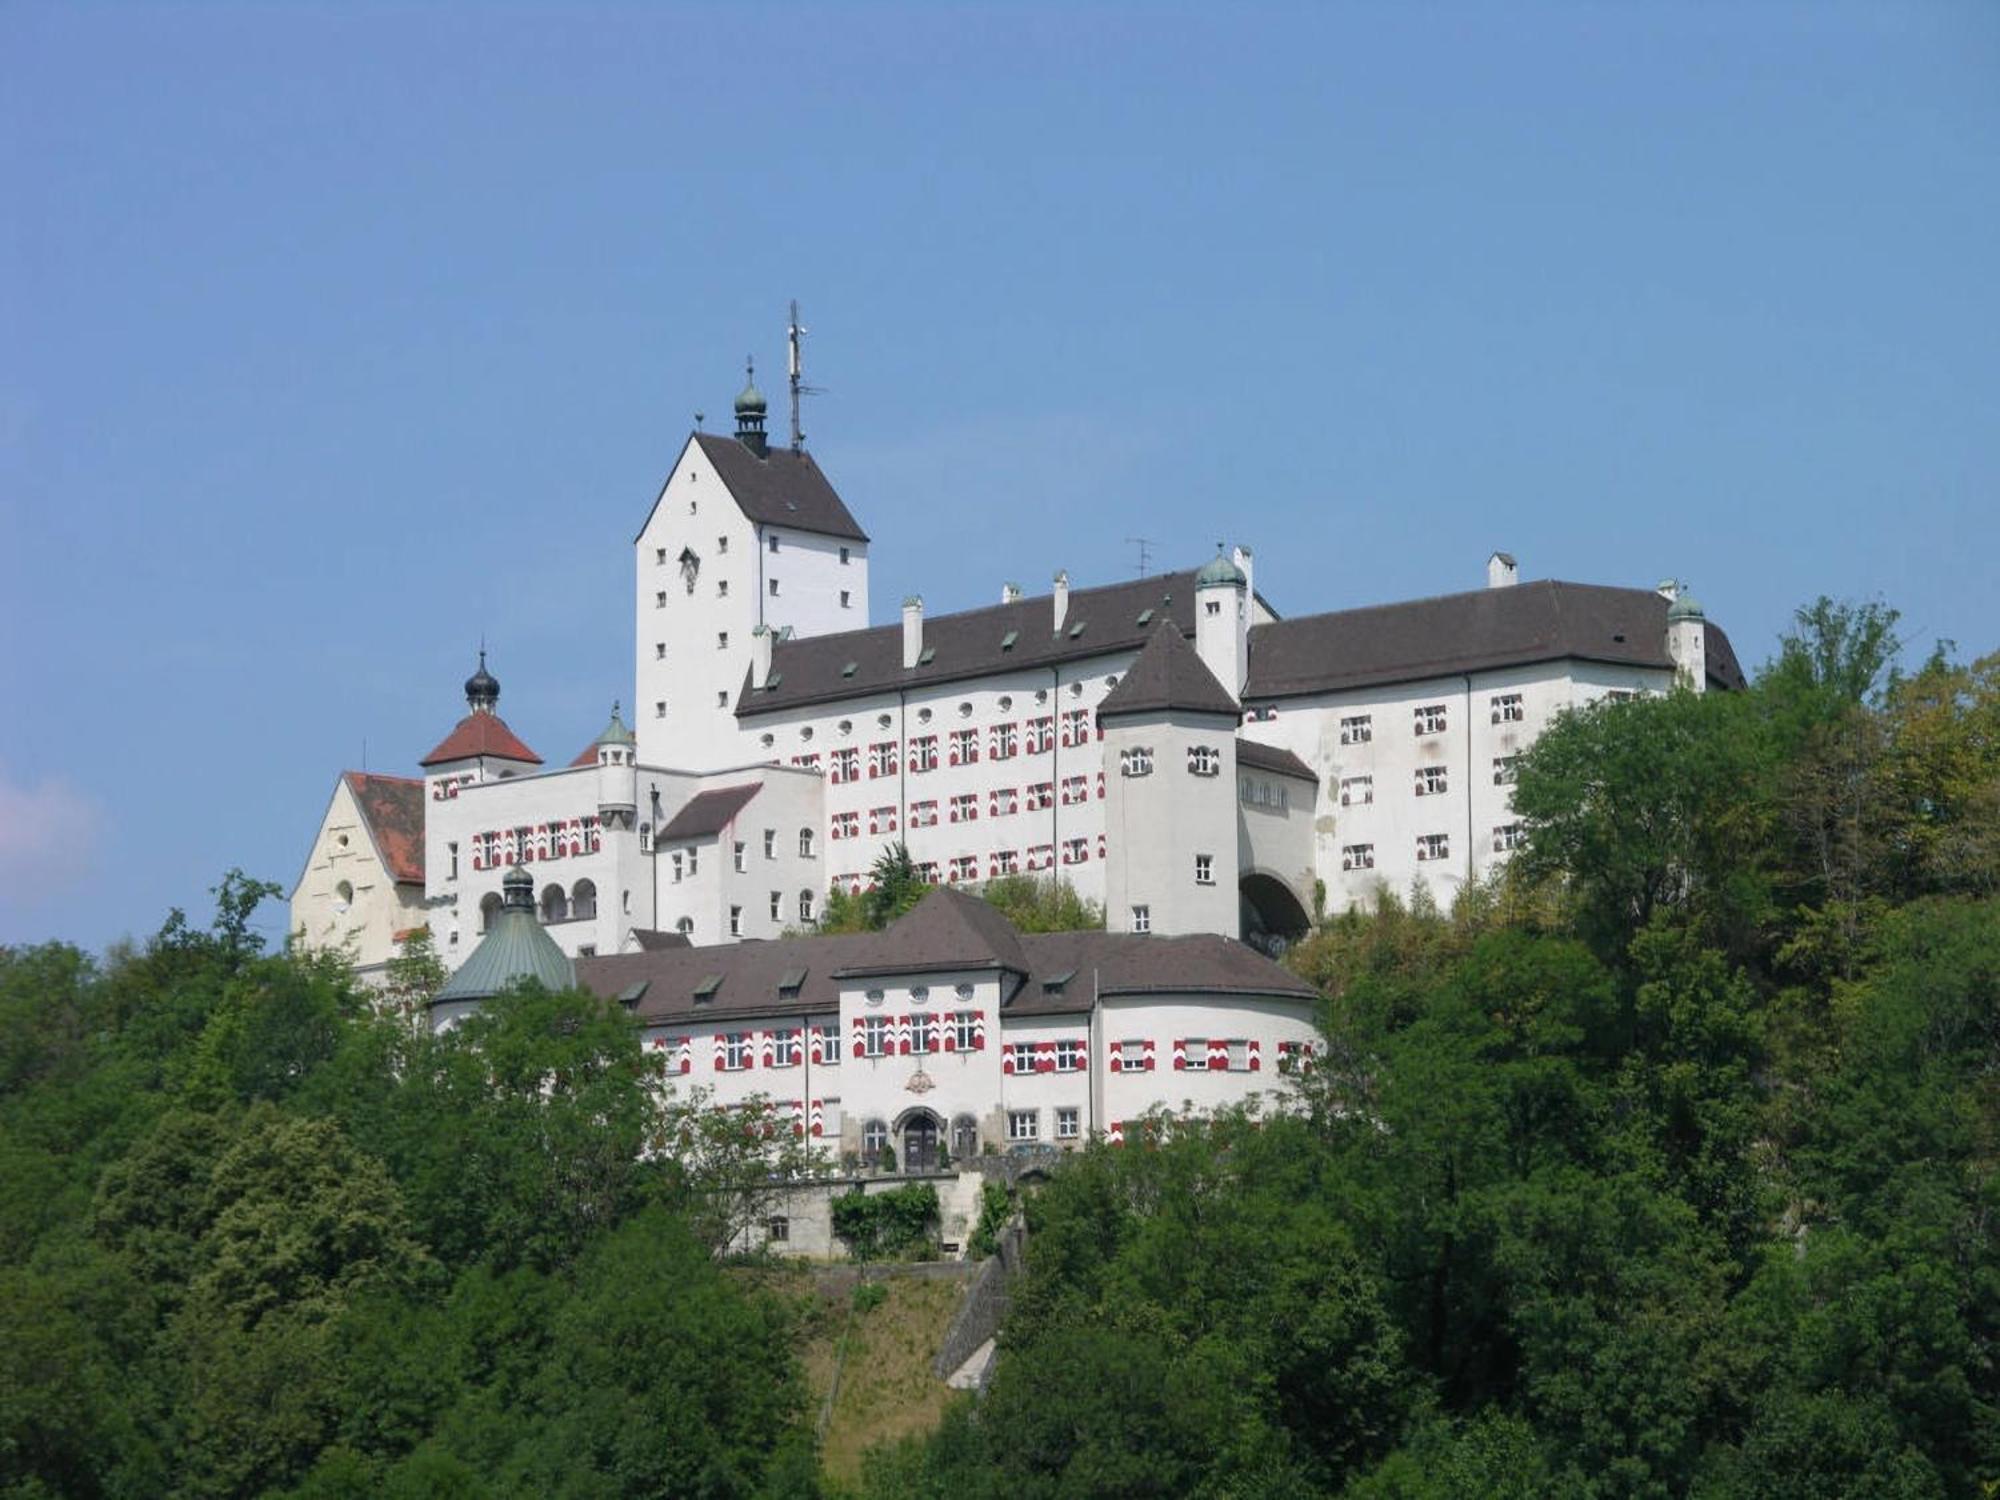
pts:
[750, 410]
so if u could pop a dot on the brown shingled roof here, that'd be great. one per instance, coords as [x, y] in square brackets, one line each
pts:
[1058, 972]
[1270, 758]
[783, 489]
[1167, 674]
[1117, 617]
[708, 813]
[1470, 632]
[480, 734]
[393, 809]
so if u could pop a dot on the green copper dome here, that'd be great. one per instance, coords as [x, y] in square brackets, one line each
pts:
[615, 733]
[751, 402]
[1219, 570]
[515, 947]
[1685, 607]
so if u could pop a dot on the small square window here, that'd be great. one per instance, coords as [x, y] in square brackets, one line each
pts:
[774, 541]
[845, 601]
[774, 587]
[1069, 1121]
[721, 544]
[1024, 1124]
[1204, 869]
[659, 651]
[843, 557]
[722, 698]
[722, 640]
[778, 1230]
[660, 555]
[1142, 919]
[660, 709]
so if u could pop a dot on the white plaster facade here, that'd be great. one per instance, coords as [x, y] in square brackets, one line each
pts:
[348, 899]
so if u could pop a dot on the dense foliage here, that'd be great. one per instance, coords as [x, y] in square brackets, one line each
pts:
[258, 1238]
[1033, 903]
[1665, 1166]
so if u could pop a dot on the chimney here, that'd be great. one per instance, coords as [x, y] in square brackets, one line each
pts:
[760, 655]
[1010, 593]
[1062, 599]
[1502, 572]
[913, 630]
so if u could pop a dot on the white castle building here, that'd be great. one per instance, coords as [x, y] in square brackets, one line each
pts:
[1171, 745]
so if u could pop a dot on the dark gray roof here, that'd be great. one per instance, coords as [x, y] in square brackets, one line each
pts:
[1168, 674]
[973, 643]
[783, 489]
[708, 813]
[946, 930]
[1471, 632]
[1055, 972]
[1270, 758]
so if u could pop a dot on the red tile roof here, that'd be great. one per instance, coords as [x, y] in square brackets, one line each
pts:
[481, 734]
[587, 756]
[393, 808]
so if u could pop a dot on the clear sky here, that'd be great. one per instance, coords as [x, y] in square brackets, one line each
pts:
[332, 336]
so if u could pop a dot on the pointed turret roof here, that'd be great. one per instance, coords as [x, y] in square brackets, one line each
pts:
[515, 947]
[1167, 674]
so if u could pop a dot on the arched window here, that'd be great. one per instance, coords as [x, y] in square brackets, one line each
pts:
[805, 906]
[874, 1138]
[583, 900]
[685, 927]
[555, 905]
[489, 908]
[964, 1137]
[805, 843]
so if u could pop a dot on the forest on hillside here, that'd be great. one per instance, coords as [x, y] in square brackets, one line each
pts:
[1663, 1166]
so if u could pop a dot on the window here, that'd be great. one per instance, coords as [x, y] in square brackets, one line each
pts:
[1433, 846]
[1075, 851]
[1024, 1124]
[1069, 1057]
[882, 759]
[685, 926]
[1137, 761]
[1194, 1054]
[1004, 862]
[1506, 768]
[1204, 760]
[1142, 919]
[964, 746]
[846, 825]
[1041, 794]
[965, 807]
[923, 753]
[660, 599]
[1620, 695]
[736, 921]
[721, 544]
[1357, 791]
[874, 1036]
[1006, 740]
[1508, 709]
[1213, 606]
[964, 867]
[843, 557]
[844, 765]
[882, 819]
[1003, 802]
[742, 858]
[964, 1036]
[787, 1054]
[659, 651]
[736, 1051]
[675, 860]
[1357, 857]
[805, 843]
[1430, 718]
[774, 541]
[829, 1043]
[1041, 857]
[1041, 735]
[452, 849]
[777, 1230]
[924, 814]
[874, 1138]
[722, 640]
[1430, 781]
[1131, 1057]
[722, 698]
[1204, 869]
[1506, 836]
[1357, 729]
[923, 1035]
[722, 588]
[777, 906]
[1239, 1057]
[1067, 1122]
[1075, 789]
[660, 556]
[845, 603]
[774, 587]
[770, 843]
[805, 906]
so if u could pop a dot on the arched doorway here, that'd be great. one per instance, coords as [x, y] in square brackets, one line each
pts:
[1271, 917]
[921, 1133]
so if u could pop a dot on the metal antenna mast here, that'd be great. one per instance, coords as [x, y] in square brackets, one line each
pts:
[1145, 546]
[794, 333]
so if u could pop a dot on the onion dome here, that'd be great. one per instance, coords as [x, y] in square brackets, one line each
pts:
[482, 688]
[1685, 607]
[750, 402]
[1219, 572]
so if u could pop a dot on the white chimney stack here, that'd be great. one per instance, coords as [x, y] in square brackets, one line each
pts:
[1010, 593]
[760, 655]
[1502, 572]
[913, 630]
[1062, 599]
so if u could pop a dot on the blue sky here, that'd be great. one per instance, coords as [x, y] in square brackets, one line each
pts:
[334, 336]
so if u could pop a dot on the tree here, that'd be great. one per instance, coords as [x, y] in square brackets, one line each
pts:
[729, 1169]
